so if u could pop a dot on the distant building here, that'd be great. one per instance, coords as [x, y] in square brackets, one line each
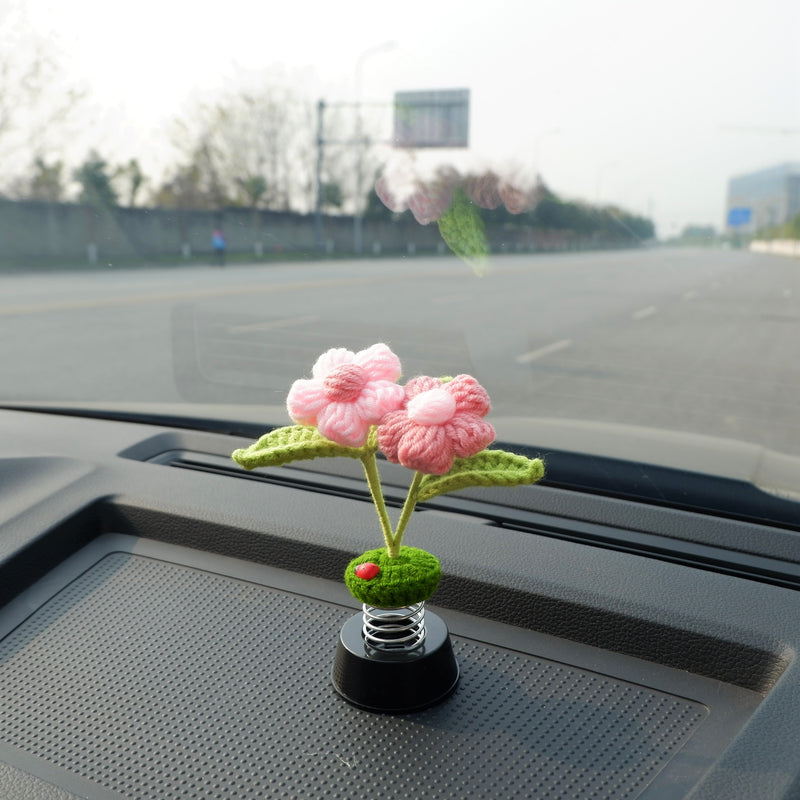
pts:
[772, 196]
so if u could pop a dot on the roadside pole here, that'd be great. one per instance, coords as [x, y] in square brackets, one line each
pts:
[319, 244]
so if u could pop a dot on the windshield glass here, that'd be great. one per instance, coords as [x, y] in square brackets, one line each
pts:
[594, 208]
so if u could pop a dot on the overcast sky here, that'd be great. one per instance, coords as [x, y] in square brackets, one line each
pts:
[652, 105]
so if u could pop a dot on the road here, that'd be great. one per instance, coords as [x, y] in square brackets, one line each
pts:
[704, 341]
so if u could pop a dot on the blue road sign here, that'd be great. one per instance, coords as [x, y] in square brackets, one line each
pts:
[739, 216]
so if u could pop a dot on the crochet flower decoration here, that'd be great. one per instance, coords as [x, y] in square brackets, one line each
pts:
[353, 406]
[439, 422]
[349, 393]
[451, 200]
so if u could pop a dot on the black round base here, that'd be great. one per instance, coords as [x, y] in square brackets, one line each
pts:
[399, 682]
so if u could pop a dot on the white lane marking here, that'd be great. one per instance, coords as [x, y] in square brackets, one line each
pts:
[160, 297]
[690, 295]
[643, 313]
[548, 349]
[225, 291]
[271, 324]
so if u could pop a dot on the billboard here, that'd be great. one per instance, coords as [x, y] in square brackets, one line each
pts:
[438, 118]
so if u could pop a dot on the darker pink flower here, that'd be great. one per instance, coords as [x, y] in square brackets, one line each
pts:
[431, 199]
[518, 199]
[348, 393]
[440, 422]
[483, 190]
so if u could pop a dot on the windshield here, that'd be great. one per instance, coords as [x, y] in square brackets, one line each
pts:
[594, 208]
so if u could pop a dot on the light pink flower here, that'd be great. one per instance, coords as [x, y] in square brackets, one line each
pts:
[392, 199]
[440, 422]
[348, 393]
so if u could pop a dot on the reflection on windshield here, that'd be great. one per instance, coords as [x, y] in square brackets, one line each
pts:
[600, 226]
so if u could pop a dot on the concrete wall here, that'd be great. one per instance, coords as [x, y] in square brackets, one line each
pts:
[41, 231]
[34, 232]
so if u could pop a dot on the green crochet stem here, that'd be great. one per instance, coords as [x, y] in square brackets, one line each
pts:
[487, 468]
[405, 514]
[374, 482]
[394, 540]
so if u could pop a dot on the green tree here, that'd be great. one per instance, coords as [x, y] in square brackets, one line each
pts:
[96, 182]
[332, 195]
[132, 180]
[253, 189]
[788, 230]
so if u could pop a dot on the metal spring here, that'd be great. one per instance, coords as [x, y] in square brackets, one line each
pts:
[394, 629]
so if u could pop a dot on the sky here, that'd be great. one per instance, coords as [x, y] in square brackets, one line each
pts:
[649, 105]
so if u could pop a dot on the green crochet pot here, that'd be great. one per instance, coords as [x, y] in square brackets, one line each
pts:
[409, 578]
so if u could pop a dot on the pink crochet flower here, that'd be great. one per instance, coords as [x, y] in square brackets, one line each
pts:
[349, 392]
[440, 421]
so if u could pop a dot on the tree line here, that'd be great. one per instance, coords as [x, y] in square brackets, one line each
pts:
[252, 150]
[578, 219]
[255, 148]
[789, 230]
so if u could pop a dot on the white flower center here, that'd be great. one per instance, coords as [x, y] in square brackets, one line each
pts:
[434, 407]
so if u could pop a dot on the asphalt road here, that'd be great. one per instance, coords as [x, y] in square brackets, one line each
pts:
[689, 340]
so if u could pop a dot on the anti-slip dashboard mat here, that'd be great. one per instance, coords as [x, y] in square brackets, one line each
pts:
[152, 679]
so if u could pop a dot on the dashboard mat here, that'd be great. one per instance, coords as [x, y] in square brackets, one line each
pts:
[152, 679]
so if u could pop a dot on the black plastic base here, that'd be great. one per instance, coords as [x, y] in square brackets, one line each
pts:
[396, 683]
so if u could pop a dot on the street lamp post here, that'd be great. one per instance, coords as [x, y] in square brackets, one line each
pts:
[319, 243]
[358, 244]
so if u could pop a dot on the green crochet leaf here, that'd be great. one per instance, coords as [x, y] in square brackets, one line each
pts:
[295, 443]
[463, 231]
[487, 468]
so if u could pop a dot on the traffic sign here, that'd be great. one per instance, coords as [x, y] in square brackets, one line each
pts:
[432, 118]
[739, 216]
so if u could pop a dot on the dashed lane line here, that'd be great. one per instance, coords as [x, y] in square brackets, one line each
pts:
[178, 295]
[81, 304]
[541, 352]
[269, 325]
[645, 312]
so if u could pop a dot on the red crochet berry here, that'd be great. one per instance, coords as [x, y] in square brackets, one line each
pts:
[367, 571]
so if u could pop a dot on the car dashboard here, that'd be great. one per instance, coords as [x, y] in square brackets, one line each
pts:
[168, 623]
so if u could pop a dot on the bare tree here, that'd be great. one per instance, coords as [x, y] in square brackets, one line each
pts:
[255, 140]
[186, 187]
[35, 105]
[43, 181]
[257, 148]
[349, 162]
